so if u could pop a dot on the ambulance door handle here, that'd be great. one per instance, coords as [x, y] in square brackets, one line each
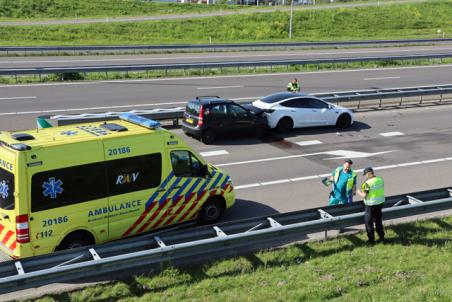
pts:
[177, 187]
[161, 190]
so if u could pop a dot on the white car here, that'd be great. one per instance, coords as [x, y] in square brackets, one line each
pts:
[287, 110]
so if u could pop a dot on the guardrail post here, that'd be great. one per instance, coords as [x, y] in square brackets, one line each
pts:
[401, 98]
[420, 102]
[381, 100]
[106, 75]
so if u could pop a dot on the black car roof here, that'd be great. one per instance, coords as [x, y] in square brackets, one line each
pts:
[210, 100]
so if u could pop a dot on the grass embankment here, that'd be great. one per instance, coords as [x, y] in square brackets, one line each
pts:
[57, 9]
[62, 9]
[398, 21]
[415, 265]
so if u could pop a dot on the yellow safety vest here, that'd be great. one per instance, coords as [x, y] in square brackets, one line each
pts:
[350, 181]
[376, 194]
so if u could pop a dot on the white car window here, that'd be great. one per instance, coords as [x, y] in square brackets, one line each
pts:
[293, 103]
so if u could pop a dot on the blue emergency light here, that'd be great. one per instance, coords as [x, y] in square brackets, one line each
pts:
[139, 120]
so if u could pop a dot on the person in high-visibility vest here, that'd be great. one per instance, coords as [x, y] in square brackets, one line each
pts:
[293, 86]
[343, 181]
[373, 193]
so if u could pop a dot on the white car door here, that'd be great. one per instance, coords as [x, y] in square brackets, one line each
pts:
[296, 109]
[321, 113]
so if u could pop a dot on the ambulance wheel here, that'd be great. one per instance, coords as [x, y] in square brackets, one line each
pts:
[76, 240]
[212, 210]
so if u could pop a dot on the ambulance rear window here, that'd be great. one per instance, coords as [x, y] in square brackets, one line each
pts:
[6, 190]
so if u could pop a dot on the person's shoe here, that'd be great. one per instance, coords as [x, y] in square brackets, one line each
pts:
[370, 242]
[381, 240]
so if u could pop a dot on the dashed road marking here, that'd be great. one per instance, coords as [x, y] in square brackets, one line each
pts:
[296, 179]
[309, 143]
[394, 133]
[214, 153]
[381, 78]
[18, 98]
[219, 87]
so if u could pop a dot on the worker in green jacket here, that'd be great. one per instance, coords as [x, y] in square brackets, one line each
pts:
[373, 192]
[293, 86]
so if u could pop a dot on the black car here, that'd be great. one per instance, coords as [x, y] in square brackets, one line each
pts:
[207, 117]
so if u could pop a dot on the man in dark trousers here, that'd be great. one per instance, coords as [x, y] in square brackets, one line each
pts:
[373, 193]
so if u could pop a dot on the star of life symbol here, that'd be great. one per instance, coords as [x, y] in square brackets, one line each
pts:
[4, 188]
[52, 187]
[69, 132]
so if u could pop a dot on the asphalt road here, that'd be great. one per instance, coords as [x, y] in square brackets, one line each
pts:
[20, 104]
[278, 181]
[125, 60]
[196, 15]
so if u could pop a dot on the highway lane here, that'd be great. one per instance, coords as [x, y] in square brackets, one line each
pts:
[19, 104]
[302, 54]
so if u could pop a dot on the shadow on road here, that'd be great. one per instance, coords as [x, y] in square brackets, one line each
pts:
[247, 209]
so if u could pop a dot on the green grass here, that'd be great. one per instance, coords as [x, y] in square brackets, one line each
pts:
[415, 265]
[215, 71]
[57, 9]
[420, 20]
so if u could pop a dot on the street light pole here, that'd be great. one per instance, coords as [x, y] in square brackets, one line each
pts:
[291, 20]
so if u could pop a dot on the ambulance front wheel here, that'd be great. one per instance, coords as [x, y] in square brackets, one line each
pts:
[76, 240]
[212, 210]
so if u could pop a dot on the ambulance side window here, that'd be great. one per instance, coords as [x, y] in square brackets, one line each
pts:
[62, 187]
[185, 164]
[134, 173]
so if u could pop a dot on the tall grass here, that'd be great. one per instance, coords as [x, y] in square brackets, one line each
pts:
[419, 20]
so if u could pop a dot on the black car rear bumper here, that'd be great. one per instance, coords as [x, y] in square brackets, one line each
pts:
[187, 128]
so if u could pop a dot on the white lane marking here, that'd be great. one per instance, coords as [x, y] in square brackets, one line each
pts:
[309, 143]
[394, 133]
[353, 154]
[214, 153]
[266, 159]
[382, 78]
[17, 98]
[341, 153]
[235, 76]
[247, 186]
[280, 181]
[219, 87]
[292, 54]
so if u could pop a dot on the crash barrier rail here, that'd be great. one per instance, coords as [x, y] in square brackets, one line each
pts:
[345, 97]
[153, 251]
[209, 65]
[127, 48]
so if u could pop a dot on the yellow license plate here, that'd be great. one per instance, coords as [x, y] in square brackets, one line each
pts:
[189, 120]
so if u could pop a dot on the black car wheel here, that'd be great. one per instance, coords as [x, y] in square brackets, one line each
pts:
[344, 121]
[285, 125]
[261, 130]
[207, 136]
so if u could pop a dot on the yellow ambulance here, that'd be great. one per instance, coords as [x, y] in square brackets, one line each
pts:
[82, 184]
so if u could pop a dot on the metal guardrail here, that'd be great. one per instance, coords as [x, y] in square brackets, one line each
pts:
[206, 242]
[210, 65]
[124, 48]
[175, 114]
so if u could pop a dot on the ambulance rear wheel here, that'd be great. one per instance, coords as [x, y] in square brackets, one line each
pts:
[212, 211]
[76, 240]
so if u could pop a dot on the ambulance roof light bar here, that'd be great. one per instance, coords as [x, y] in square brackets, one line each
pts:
[139, 120]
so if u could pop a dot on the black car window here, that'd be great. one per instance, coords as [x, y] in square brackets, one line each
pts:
[219, 110]
[237, 112]
[185, 164]
[192, 108]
